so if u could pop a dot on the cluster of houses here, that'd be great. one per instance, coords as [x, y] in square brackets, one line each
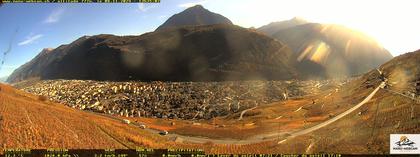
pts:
[175, 100]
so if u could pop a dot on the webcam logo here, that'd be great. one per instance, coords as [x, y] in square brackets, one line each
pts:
[404, 144]
[404, 141]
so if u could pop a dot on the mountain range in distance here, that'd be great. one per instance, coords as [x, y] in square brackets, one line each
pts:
[199, 45]
[198, 53]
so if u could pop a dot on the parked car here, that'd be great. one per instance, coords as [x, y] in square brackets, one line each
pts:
[126, 121]
[163, 132]
[142, 126]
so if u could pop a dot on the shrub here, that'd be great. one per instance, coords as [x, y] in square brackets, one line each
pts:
[42, 98]
[209, 143]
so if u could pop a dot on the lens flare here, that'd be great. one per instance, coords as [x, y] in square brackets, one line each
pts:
[317, 52]
[305, 52]
[321, 53]
[348, 44]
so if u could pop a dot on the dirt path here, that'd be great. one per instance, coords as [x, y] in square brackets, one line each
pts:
[109, 135]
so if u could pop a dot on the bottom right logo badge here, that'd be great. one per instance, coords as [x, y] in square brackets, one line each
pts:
[404, 143]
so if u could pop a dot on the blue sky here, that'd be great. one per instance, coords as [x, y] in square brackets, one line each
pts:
[50, 25]
[31, 27]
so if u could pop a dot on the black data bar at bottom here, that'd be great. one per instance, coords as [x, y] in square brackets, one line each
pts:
[156, 153]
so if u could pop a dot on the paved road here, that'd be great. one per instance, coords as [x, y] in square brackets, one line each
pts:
[258, 138]
[323, 124]
[244, 111]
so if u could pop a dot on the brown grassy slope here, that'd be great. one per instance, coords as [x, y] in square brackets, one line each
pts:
[403, 72]
[30, 123]
[27, 122]
[360, 134]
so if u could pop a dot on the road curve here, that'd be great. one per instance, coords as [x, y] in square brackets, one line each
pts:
[244, 111]
[341, 115]
[257, 138]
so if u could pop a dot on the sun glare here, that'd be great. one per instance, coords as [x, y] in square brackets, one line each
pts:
[386, 21]
[321, 53]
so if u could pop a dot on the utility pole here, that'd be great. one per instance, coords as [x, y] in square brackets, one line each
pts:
[412, 111]
[413, 105]
[278, 130]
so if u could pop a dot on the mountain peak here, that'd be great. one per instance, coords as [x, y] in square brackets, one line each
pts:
[46, 50]
[299, 19]
[195, 15]
[198, 6]
[196, 9]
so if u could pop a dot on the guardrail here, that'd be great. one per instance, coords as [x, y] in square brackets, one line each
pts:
[407, 96]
